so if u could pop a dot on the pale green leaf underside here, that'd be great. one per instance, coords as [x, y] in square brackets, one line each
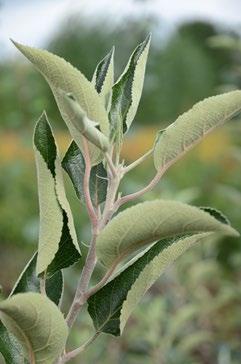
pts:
[111, 306]
[64, 203]
[62, 75]
[53, 203]
[152, 272]
[192, 126]
[80, 121]
[37, 324]
[147, 222]
[51, 216]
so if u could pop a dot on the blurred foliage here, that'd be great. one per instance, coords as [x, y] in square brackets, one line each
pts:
[192, 314]
[182, 61]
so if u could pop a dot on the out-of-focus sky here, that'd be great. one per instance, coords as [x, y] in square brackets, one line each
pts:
[33, 21]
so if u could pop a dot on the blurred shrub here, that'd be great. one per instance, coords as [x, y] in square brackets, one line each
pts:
[182, 61]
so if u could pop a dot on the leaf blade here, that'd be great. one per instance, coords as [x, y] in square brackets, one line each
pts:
[56, 221]
[74, 164]
[126, 92]
[85, 126]
[103, 77]
[150, 221]
[28, 281]
[10, 348]
[112, 305]
[192, 126]
[62, 75]
[38, 325]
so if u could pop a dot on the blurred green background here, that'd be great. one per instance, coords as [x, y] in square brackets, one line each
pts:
[192, 314]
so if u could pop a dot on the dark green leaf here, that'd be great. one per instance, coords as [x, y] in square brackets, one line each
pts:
[74, 164]
[126, 92]
[66, 254]
[30, 282]
[216, 214]
[103, 76]
[10, 349]
[98, 184]
[45, 143]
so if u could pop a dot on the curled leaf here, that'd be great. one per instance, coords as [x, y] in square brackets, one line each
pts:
[83, 124]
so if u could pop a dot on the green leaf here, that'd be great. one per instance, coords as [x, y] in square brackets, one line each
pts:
[103, 77]
[216, 214]
[57, 233]
[62, 75]
[192, 126]
[150, 221]
[83, 124]
[30, 282]
[10, 349]
[67, 253]
[98, 184]
[112, 305]
[38, 325]
[74, 164]
[127, 92]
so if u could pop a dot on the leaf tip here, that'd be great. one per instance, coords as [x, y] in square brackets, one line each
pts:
[18, 45]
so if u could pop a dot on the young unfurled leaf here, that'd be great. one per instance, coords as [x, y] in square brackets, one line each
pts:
[149, 221]
[127, 92]
[38, 325]
[62, 75]
[74, 165]
[103, 77]
[10, 348]
[112, 305]
[83, 124]
[192, 126]
[57, 232]
[29, 282]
